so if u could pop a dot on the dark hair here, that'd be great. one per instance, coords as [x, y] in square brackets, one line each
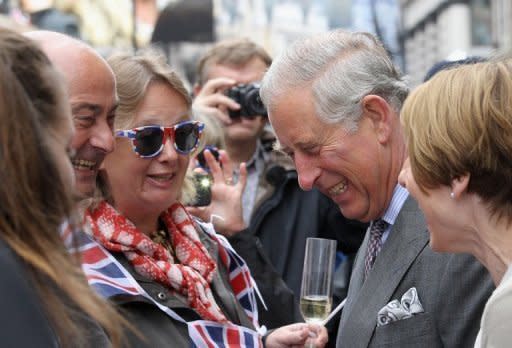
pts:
[34, 198]
[450, 64]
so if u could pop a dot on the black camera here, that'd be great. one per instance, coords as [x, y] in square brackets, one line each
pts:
[248, 96]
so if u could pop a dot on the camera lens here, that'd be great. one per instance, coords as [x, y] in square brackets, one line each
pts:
[253, 103]
[248, 96]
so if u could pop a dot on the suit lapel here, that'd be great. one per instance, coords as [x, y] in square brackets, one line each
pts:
[357, 277]
[406, 240]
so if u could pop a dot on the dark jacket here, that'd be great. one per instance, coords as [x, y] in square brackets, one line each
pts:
[23, 322]
[22, 310]
[273, 246]
[158, 328]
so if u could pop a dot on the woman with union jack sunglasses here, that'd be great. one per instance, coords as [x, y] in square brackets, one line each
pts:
[179, 282]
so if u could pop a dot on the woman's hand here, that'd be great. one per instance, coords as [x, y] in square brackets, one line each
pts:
[226, 202]
[296, 335]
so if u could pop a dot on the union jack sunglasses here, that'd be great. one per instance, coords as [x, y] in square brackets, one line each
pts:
[149, 141]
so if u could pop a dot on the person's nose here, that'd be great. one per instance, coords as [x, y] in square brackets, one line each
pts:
[103, 138]
[168, 153]
[402, 177]
[307, 171]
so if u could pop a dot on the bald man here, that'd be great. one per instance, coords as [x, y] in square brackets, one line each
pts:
[92, 94]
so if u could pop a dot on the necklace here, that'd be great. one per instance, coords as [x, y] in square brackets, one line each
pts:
[161, 237]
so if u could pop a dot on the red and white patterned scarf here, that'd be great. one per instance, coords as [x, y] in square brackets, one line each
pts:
[190, 277]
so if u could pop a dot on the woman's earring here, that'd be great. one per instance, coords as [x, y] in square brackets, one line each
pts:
[452, 195]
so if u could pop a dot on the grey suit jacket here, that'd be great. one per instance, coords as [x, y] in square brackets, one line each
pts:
[452, 288]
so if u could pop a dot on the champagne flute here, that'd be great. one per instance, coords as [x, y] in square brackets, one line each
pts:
[317, 274]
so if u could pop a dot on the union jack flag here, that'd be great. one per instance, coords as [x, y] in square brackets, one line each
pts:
[109, 278]
[218, 335]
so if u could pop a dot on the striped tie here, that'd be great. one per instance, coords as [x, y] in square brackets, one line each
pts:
[374, 244]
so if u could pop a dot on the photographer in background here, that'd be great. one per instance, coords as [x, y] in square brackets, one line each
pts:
[279, 214]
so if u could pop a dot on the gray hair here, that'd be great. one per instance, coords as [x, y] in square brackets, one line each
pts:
[341, 67]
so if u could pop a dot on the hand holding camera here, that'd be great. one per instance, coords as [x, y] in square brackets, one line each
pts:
[225, 100]
[211, 100]
[248, 96]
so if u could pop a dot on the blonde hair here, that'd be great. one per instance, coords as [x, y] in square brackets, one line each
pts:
[460, 122]
[213, 133]
[134, 73]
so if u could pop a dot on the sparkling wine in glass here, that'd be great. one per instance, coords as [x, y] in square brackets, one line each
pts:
[317, 274]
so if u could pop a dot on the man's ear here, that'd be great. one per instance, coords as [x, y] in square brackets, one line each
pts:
[197, 88]
[380, 113]
[460, 185]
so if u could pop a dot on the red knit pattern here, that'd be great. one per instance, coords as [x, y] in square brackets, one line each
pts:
[190, 277]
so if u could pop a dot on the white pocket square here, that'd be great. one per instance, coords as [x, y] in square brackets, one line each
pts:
[395, 310]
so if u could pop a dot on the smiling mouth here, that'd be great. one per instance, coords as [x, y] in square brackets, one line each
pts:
[81, 164]
[339, 188]
[161, 177]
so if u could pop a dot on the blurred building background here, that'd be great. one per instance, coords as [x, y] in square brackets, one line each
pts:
[416, 33]
[434, 30]
[277, 23]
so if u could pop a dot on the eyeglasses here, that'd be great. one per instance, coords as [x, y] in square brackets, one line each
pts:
[201, 161]
[149, 141]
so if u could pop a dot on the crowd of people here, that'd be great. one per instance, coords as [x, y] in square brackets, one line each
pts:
[101, 243]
